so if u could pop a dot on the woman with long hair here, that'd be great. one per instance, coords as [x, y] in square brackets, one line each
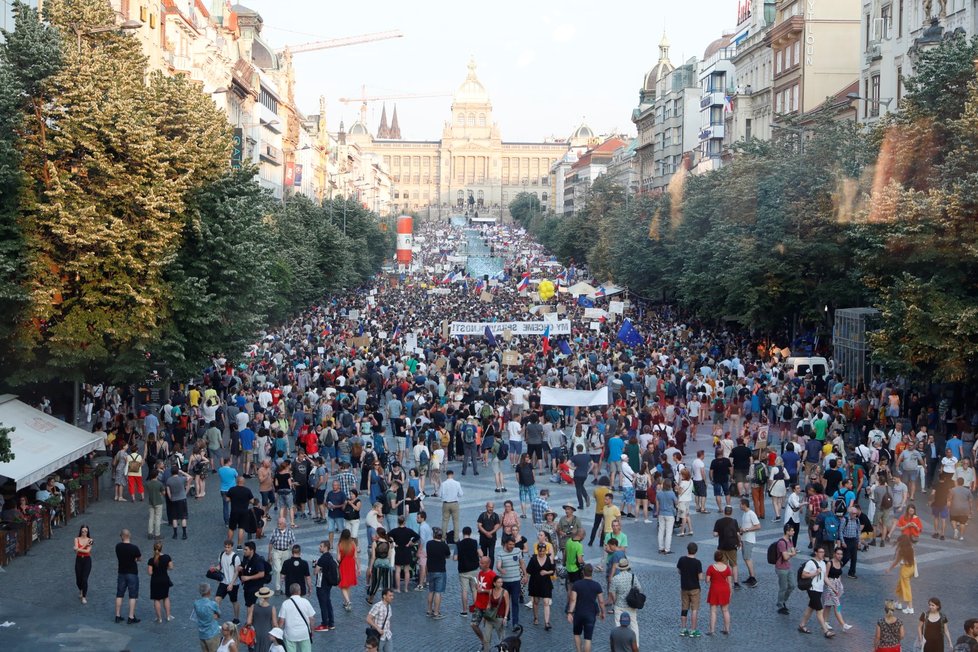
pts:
[905, 558]
[229, 638]
[642, 482]
[889, 630]
[349, 566]
[199, 468]
[832, 596]
[684, 491]
[381, 565]
[932, 630]
[541, 571]
[83, 562]
[284, 501]
[719, 577]
[159, 582]
[777, 486]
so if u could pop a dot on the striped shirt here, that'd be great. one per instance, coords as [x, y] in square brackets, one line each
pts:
[508, 564]
[282, 539]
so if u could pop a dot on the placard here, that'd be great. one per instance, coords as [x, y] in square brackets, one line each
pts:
[411, 341]
[382, 335]
[353, 315]
[440, 291]
[561, 309]
[596, 326]
[511, 358]
[616, 307]
[360, 342]
[551, 317]
[486, 297]
[507, 334]
[595, 313]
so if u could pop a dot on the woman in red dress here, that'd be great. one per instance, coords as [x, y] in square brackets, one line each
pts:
[719, 578]
[349, 566]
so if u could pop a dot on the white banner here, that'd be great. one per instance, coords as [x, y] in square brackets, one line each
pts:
[595, 313]
[616, 307]
[439, 291]
[562, 327]
[573, 397]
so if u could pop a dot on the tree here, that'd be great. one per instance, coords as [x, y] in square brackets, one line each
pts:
[524, 207]
[29, 55]
[6, 451]
[112, 159]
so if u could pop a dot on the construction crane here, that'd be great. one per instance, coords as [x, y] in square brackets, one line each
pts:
[363, 99]
[342, 42]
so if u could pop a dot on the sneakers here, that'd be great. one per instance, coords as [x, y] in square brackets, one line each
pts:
[118, 619]
[320, 628]
[846, 627]
[695, 633]
[751, 582]
[132, 621]
[783, 611]
[684, 632]
[908, 610]
[737, 585]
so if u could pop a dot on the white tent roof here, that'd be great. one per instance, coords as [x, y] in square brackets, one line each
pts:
[580, 288]
[41, 444]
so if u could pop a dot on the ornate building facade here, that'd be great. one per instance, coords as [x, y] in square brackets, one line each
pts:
[469, 167]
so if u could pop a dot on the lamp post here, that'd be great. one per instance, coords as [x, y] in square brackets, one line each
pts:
[128, 25]
[885, 101]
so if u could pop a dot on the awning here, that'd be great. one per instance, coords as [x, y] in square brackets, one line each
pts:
[40, 443]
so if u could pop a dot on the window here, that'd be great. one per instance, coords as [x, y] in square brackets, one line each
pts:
[795, 102]
[899, 85]
[796, 53]
[900, 19]
[875, 95]
[886, 14]
[747, 128]
[777, 62]
[543, 197]
[471, 119]
[865, 94]
[482, 119]
[869, 31]
[461, 120]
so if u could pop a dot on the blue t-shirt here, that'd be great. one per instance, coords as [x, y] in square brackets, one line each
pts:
[616, 445]
[228, 476]
[207, 625]
[955, 446]
[247, 439]
[790, 459]
[667, 503]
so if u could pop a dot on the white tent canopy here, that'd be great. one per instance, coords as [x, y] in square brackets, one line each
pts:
[41, 444]
[579, 288]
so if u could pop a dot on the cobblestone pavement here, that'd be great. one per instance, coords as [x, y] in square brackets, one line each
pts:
[39, 607]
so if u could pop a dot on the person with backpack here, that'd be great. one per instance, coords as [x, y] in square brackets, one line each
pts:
[758, 482]
[826, 528]
[228, 565]
[254, 572]
[498, 454]
[327, 574]
[811, 578]
[469, 432]
[779, 554]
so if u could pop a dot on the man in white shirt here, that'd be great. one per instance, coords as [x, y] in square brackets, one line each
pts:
[518, 395]
[515, 433]
[814, 570]
[295, 618]
[698, 475]
[749, 524]
[450, 494]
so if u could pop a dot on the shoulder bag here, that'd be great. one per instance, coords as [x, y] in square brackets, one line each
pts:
[635, 599]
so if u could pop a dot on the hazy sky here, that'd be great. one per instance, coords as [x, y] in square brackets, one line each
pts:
[546, 65]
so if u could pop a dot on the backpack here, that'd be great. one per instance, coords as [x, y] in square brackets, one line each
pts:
[268, 572]
[839, 505]
[424, 458]
[831, 526]
[887, 501]
[964, 646]
[502, 452]
[804, 583]
[486, 411]
[773, 554]
[760, 474]
[135, 464]
[331, 572]
[329, 439]
[468, 433]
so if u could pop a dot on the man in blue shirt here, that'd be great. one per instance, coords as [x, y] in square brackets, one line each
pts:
[247, 436]
[207, 613]
[229, 477]
[790, 459]
[616, 446]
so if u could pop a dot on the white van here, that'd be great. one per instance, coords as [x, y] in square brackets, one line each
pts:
[818, 367]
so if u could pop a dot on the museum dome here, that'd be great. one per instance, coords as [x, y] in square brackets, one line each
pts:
[472, 91]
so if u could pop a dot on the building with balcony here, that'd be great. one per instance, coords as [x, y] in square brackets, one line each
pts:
[752, 109]
[892, 32]
[810, 44]
[623, 168]
[675, 123]
[591, 165]
[644, 117]
[717, 77]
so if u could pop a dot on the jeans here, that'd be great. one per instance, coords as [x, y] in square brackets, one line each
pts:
[850, 553]
[513, 588]
[325, 605]
[468, 456]
[227, 506]
[786, 584]
[665, 532]
[155, 516]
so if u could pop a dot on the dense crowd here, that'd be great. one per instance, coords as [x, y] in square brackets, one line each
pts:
[358, 417]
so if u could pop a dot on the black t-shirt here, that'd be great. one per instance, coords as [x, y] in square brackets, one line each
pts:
[438, 553]
[582, 463]
[403, 536]
[690, 569]
[468, 555]
[488, 521]
[295, 570]
[252, 566]
[727, 533]
[833, 478]
[587, 598]
[300, 472]
[240, 497]
[741, 456]
[721, 470]
[128, 555]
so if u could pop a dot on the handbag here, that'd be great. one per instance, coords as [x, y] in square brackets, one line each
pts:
[635, 599]
[246, 635]
[215, 573]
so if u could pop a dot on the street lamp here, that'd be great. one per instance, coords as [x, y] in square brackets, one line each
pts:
[128, 25]
[885, 101]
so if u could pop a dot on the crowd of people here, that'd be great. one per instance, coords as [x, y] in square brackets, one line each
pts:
[359, 417]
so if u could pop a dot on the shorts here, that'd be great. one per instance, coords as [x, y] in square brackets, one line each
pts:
[699, 488]
[740, 476]
[127, 583]
[730, 557]
[746, 550]
[237, 520]
[320, 496]
[328, 452]
[336, 524]
[469, 580]
[690, 600]
[283, 499]
[535, 449]
[883, 517]
[584, 625]
[528, 493]
[596, 458]
[436, 582]
[641, 494]
[629, 495]
[249, 594]
[495, 465]
[401, 443]
[178, 510]
[814, 600]
[939, 511]
[959, 518]
[223, 591]
[615, 466]
[515, 447]
[721, 488]
[301, 495]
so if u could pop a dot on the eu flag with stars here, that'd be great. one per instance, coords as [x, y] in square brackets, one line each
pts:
[490, 337]
[628, 334]
[584, 302]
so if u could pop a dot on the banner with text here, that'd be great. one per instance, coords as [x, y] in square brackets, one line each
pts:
[562, 327]
[573, 397]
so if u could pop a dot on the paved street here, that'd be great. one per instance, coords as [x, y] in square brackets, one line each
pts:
[39, 609]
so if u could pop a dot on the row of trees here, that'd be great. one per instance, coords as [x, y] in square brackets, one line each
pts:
[126, 241]
[824, 217]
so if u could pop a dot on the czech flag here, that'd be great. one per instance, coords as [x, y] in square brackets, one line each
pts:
[546, 340]
[397, 332]
[480, 286]
[599, 292]
[524, 283]
[562, 275]
[449, 277]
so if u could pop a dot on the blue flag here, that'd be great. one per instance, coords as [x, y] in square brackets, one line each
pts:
[628, 334]
[490, 337]
[564, 347]
[360, 329]
[584, 302]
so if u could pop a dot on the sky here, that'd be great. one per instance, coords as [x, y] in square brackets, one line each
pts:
[547, 66]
